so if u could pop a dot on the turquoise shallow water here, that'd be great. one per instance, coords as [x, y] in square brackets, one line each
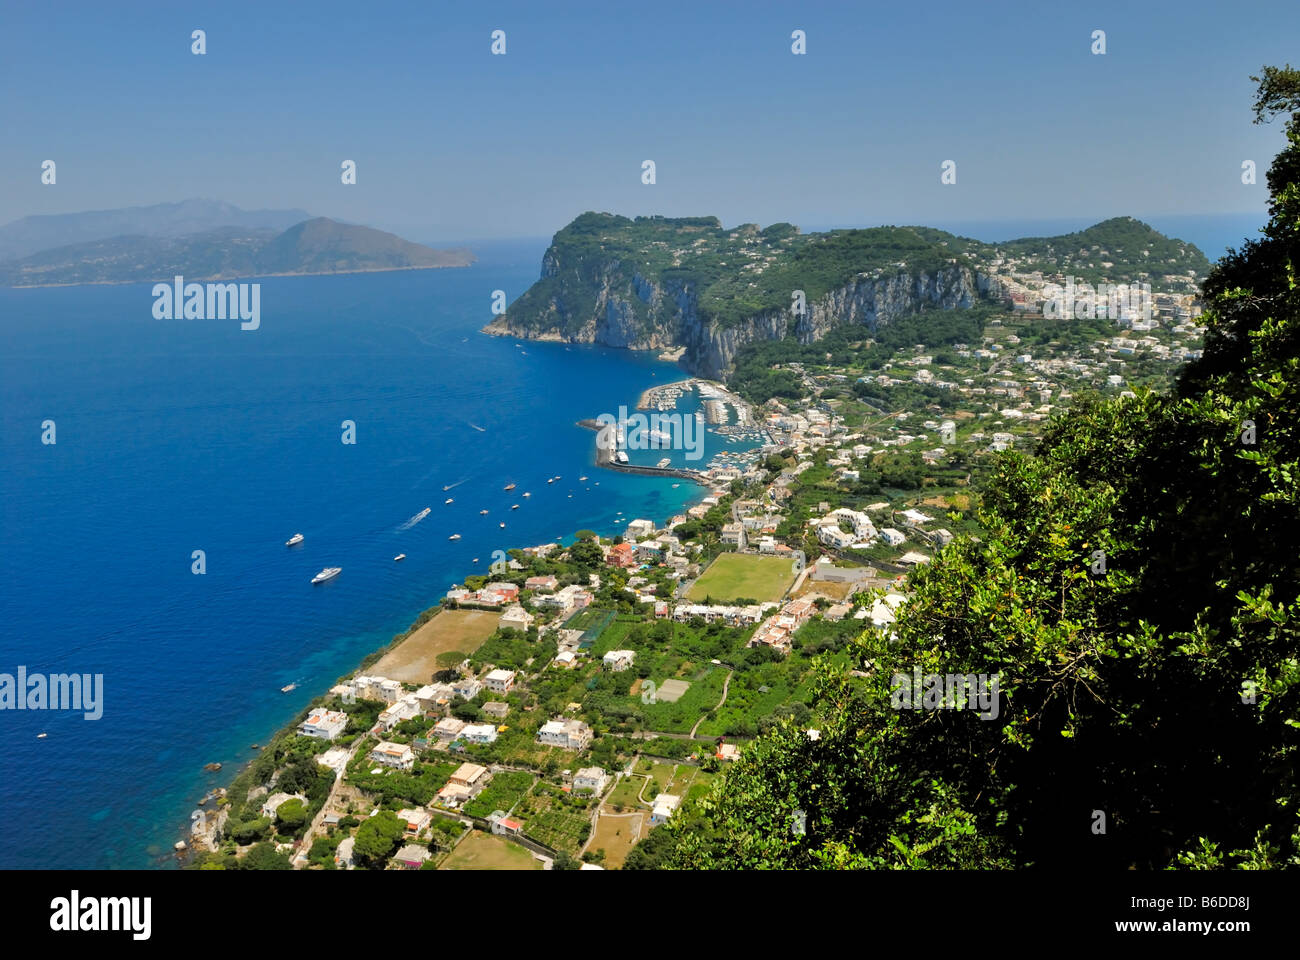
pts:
[180, 435]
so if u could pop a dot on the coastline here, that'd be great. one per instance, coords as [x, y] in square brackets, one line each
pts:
[237, 277]
[178, 856]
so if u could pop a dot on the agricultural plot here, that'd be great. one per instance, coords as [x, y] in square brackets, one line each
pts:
[483, 851]
[501, 794]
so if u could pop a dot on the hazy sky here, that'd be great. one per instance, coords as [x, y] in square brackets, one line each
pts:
[451, 141]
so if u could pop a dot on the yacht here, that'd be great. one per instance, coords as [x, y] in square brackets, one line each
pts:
[329, 573]
[454, 536]
[400, 556]
[294, 540]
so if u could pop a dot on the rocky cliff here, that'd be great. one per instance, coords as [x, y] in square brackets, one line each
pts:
[657, 282]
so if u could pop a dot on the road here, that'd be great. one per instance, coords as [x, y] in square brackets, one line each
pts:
[725, 685]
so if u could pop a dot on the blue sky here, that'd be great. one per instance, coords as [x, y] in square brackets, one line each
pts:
[452, 142]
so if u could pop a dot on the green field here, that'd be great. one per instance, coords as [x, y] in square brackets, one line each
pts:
[741, 575]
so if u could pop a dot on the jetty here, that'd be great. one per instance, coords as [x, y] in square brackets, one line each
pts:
[605, 458]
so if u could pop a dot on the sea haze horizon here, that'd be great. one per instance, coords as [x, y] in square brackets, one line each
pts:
[176, 436]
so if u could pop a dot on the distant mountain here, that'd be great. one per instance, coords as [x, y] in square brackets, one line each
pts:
[318, 246]
[326, 246]
[657, 282]
[33, 234]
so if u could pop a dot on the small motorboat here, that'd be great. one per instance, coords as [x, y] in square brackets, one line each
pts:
[503, 524]
[289, 688]
[449, 500]
[400, 556]
[454, 536]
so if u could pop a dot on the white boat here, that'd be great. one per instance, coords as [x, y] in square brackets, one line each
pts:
[515, 507]
[449, 500]
[454, 536]
[503, 524]
[329, 573]
[552, 480]
[289, 688]
[295, 539]
[482, 513]
[509, 486]
[400, 556]
[527, 494]
[41, 736]
[580, 479]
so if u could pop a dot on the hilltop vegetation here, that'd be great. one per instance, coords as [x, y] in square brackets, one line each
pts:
[729, 275]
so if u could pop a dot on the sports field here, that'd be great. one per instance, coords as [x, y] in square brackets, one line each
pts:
[736, 575]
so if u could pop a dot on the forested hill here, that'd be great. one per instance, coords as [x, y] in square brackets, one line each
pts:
[654, 282]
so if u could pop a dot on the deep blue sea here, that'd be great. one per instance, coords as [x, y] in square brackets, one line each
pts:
[183, 435]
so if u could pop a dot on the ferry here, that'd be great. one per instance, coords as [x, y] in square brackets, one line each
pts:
[400, 556]
[664, 462]
[509, 486]
[289, 688]
[454, 536]
[329, 573]
[295, 539]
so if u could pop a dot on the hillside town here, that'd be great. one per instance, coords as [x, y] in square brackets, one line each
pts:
[556, 711]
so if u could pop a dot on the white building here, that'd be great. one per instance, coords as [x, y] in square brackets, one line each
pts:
[479, 733]
[324, 724]
[638, 529]
[892, 537]
[500, 681]
[593, 779]
[397, 755]
[619, 660]
[569, 734]
[516, 618]
[664, 806]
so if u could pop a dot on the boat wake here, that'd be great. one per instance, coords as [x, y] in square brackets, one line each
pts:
[415, 519]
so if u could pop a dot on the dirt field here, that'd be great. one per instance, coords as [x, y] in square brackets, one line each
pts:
[482, 851]
[416, 659]
[616, 835]
[828, 589]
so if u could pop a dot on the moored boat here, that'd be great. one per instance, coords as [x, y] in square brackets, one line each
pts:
[329, 573]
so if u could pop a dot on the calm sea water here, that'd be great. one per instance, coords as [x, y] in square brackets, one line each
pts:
[175, 436]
